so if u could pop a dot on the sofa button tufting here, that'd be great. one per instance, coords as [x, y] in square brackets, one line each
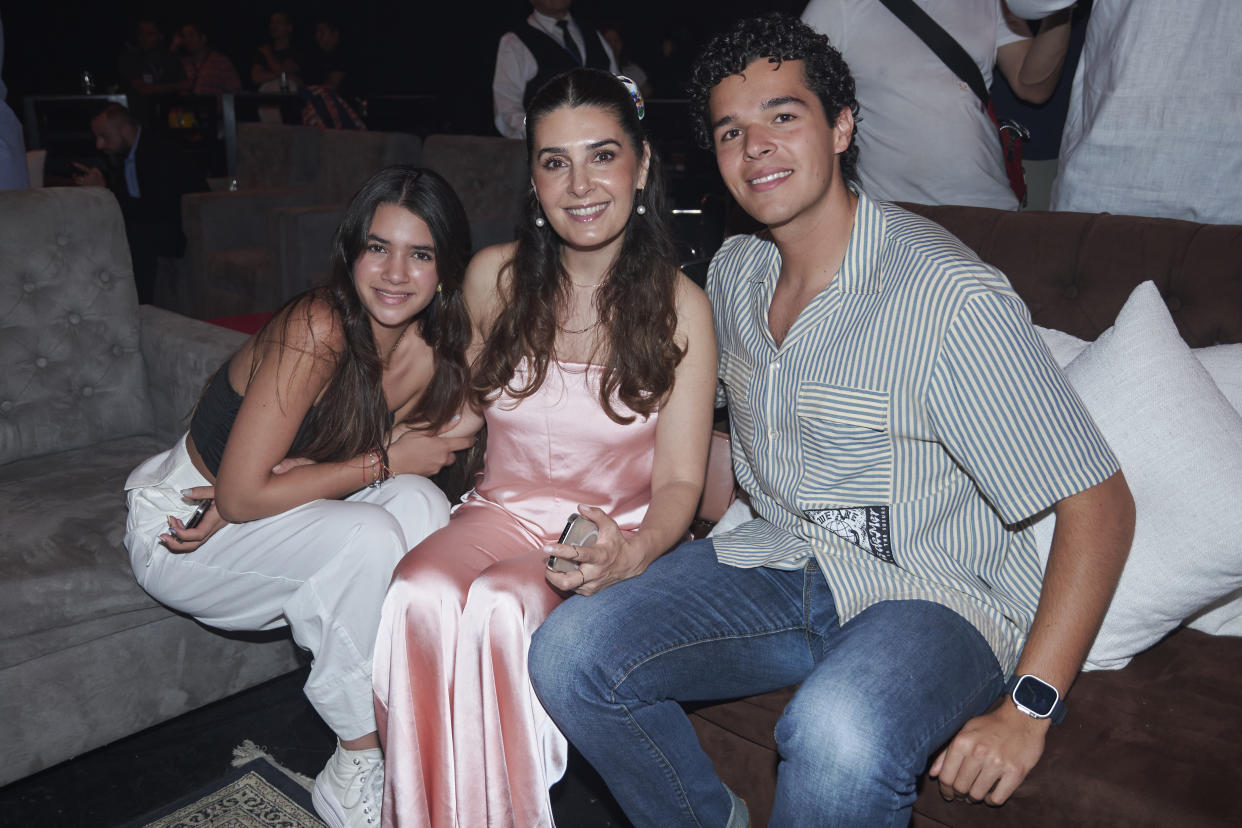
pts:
[62, 239]
[105, 276]
[29, 287]
[117, 350]
[88, 391]
[74, 319]
[41, 362]
[1071, 291]
[6, 406]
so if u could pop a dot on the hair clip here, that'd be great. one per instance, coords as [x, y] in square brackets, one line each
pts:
[632, 88]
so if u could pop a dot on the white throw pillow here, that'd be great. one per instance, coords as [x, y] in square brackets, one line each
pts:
[1224, 364]
[1063, 347]
[1180, 446]
[1221, 617]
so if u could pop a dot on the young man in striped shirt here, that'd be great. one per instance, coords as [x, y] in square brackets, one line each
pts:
[895, 419]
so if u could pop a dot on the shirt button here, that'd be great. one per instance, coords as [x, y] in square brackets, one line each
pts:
[772, 434]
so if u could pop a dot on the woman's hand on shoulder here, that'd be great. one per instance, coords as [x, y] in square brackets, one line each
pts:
[615, 556]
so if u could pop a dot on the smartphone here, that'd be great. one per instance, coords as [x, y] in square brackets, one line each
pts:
[579, 531]
[197, 517]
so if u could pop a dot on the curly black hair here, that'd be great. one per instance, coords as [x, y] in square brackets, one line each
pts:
[779, 37]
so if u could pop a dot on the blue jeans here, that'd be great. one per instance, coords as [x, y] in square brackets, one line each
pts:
[878, 696]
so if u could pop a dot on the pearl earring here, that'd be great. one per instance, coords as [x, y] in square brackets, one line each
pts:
[540, 221]
[641, 210]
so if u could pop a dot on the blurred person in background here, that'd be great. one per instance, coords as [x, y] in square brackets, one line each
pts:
[923, 134]
[148, 178]
[13, 171]
[277, 65]
[147, 67]
[208, 71]
[550, 42]
[1154, 111]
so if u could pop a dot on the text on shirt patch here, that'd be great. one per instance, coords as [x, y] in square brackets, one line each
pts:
[864, 526]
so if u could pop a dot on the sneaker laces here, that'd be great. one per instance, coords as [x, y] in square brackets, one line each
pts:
[365, 787]
[371, 786]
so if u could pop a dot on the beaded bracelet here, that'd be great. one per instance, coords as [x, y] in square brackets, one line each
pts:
[380, 469]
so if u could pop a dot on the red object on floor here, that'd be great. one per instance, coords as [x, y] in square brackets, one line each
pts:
[247, 323]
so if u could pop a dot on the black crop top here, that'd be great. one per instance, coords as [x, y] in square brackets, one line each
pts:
[213, 420]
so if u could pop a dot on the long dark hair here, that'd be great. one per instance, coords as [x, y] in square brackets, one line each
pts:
[352, 415]
[636, 304]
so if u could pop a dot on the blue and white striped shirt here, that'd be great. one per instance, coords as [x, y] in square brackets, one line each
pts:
[904, 430]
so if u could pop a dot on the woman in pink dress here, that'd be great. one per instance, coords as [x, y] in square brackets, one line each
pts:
[595, 369]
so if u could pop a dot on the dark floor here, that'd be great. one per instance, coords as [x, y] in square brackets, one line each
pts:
[126, 779]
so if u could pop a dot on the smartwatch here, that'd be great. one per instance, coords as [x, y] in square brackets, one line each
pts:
[1036, 698]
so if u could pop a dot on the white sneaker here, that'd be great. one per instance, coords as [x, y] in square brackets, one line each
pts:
[349, 791]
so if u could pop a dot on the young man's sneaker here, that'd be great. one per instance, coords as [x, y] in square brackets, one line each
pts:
[349, 790]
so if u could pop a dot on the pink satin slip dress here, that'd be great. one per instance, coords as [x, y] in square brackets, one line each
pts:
[466, 740]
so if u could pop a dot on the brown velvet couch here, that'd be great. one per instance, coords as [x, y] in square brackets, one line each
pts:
[1158, 743]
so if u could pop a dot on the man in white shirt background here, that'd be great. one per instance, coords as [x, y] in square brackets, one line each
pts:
[1152, 127]
[550, 42]
[923, 135]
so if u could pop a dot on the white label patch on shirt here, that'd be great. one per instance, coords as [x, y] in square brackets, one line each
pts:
[864, 526]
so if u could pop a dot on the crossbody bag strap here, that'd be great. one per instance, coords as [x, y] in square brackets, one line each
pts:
[942, 44]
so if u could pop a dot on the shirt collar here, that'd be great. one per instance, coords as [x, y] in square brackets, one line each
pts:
[547, 22]
[858, 272]
[134, 147]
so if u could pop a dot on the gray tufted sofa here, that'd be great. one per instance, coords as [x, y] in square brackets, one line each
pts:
[91, 384]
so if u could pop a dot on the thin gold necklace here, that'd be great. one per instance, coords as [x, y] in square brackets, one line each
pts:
[580, 330]
[393, 349]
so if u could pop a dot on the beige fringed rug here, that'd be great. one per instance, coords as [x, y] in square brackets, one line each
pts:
[257, 793]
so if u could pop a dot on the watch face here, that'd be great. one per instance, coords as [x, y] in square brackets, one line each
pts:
[1036, 696]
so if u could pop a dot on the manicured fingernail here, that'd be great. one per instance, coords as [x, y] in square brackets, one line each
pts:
[187, 492]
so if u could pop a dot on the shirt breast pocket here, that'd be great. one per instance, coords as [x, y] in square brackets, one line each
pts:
[846, 445]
